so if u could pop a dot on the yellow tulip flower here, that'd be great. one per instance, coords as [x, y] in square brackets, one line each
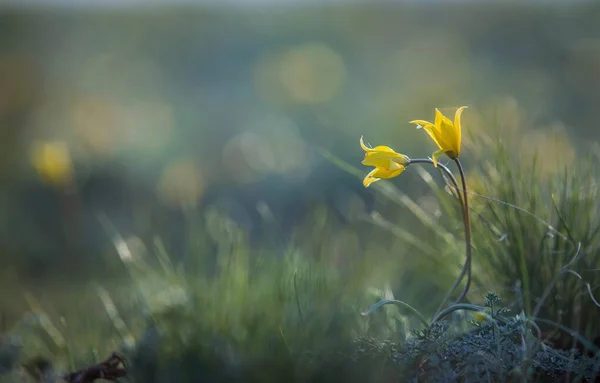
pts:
[445, 133]
[387, 163]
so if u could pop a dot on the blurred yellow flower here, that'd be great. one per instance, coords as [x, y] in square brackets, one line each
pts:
[387, 163]
[445, 133]
[52, 161]
[480, 317]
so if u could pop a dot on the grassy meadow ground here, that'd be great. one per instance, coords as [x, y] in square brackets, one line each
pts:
[207, 218]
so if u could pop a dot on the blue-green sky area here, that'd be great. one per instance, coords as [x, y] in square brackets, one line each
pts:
[182, 107]
[254, 3]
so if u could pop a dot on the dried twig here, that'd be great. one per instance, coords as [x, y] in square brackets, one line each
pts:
[111, 369]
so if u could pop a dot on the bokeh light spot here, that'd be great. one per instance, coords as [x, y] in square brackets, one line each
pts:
[310, 73]
[268, 146]
[181, 183]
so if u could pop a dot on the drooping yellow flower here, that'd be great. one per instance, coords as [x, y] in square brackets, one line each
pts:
[387, 163]
[52, 162]
[445, 133]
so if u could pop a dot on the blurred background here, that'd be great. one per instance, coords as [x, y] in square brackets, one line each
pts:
[122, 123]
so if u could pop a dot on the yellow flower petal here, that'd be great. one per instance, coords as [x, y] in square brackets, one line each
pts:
[387, 173]
[387, 162]
[441, 119]
[365, 147]
[385, 159]
[458, 128]
[369, 179]
[421, 123]
[383, 149]
[432, 131]
[436, 156]
[382, 173]
[445, 133]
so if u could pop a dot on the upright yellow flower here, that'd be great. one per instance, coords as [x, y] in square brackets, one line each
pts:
[387, 163]
[444, 133]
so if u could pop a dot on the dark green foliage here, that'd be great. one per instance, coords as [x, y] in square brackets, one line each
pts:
[497, 351]
[500, 350]
[537, 238]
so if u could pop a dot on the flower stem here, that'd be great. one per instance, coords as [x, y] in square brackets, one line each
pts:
[467, 221]
[462, 198]
[446, 171]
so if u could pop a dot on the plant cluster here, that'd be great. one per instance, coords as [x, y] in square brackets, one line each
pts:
[290, 318]
[517, 260]
[494, 348]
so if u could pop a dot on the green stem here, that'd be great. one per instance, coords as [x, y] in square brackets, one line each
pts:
[397, 303]
[455, 307]
[462, 197]
[446, 171]
[467, 221]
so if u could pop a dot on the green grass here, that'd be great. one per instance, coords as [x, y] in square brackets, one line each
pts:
[232, 312]
[538, 241]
